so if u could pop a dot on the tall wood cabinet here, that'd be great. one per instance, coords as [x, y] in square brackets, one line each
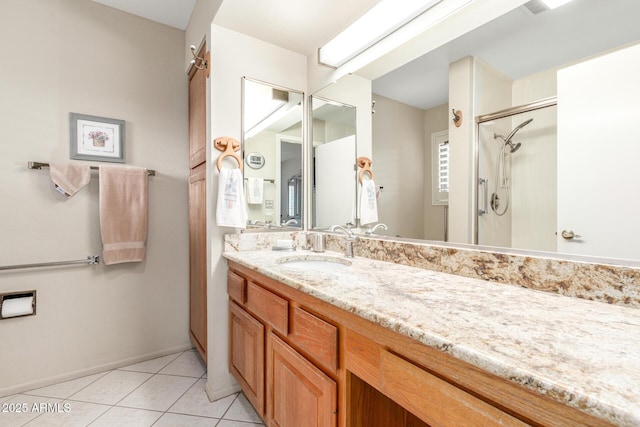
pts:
[197, 207]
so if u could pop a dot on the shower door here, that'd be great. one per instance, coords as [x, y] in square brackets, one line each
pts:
[517, 202]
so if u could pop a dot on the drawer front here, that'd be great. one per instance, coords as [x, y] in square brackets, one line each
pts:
[269, 307]
[434, 400]
[316, 337]
[236, 287]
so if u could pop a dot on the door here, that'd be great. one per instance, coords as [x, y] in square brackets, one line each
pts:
[335, 182]
[598, 152]
[246, 356]
[197, 208]
[298, 393]
[198, 259]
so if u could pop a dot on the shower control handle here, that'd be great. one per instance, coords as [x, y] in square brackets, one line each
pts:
[569, 235]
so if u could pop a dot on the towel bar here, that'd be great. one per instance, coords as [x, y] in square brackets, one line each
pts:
[40, 165]
[91, 260]
[265, 180]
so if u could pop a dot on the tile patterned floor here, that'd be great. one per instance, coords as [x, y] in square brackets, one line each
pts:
[163, 392]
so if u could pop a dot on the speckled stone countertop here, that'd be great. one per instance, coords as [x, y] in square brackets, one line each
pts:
[582, 353]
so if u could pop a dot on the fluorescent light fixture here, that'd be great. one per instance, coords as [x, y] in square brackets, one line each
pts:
[552, 4]
[377, 23]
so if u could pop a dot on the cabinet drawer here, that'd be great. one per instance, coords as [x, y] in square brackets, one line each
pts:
[268, 307]
[316, 337]
[434, 400]
[236, 286]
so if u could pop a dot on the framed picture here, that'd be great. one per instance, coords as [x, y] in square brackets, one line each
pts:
[96, 138]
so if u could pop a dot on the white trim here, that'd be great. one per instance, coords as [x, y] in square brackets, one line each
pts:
[438, 198]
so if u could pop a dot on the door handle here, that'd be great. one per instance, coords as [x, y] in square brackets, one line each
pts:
[485, 210]
[569, 235]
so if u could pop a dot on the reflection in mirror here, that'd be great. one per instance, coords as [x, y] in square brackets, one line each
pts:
[334, 153]
[517, 179]
[272, 123]
[513, 65]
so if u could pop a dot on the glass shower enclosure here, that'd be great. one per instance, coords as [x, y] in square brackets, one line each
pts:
[516, 182]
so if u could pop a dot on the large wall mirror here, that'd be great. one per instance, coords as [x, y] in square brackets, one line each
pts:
[272, 129]
[523, 51]
[333, 136]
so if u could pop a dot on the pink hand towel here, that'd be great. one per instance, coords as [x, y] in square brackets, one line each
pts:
[123, 213]
[69, 178]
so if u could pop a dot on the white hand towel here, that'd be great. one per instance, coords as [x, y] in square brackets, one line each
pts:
[255, 191]
[230, 208]
[68, 178]
[368, 202]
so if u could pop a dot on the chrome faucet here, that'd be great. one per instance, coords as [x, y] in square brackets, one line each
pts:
[371, 230]
[350, 238]
[262, 223]
[290, 222]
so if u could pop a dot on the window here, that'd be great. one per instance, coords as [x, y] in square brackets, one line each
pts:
[440, 168]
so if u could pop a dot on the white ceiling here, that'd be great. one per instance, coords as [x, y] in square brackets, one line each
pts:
[518, 43]
[298, 25]
[175, 13]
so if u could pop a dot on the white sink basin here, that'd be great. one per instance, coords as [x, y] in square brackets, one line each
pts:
[314, 263]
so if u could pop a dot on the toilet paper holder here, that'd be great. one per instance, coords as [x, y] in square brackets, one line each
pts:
[9, 298]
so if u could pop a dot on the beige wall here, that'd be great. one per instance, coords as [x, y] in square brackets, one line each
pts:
[398, 166]
[62, 56]
[436, 119]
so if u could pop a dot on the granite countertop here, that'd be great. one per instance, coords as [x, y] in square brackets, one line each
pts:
[582, 353]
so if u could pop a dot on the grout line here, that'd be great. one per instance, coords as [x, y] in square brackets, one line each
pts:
[234, 401]
[182, 395]
[151, 375]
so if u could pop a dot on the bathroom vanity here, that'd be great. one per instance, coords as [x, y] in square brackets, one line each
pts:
[329, 342]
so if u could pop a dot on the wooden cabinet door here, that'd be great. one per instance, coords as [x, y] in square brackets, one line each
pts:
[246, 354]
[298, 393]
[198, 260]
[197, 114]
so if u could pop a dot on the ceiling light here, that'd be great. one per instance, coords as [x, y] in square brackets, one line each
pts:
[377, 23]
[552, 4]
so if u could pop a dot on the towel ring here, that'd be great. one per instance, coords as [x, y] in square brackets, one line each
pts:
[365, 164]
[228, 146]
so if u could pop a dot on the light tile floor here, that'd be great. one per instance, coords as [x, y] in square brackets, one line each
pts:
[163, 392]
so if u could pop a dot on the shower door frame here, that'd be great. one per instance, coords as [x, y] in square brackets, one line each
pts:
[509, 112]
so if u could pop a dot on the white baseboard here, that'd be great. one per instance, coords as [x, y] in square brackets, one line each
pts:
[19, 388]
[219, 393]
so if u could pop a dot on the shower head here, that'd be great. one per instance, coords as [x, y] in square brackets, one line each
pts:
[514, 147]
[507, 140]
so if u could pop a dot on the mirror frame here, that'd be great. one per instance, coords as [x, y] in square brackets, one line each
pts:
[303, 136]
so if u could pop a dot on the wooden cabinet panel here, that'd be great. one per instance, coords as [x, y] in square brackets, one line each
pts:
[197, 114]
[198, 259]
[246, 355]
[236, 287]
[434, 400]
[268, 307]
[316, 337]
[298, 393]
[370, 408]
[363, 357]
